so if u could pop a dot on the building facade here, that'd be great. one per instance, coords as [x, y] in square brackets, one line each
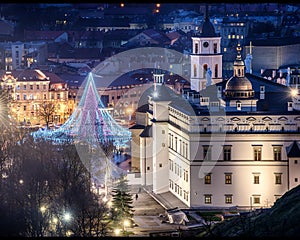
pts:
[231, 144]
[29, 90]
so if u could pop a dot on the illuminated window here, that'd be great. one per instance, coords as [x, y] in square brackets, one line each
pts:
[257, 153]
[228, 198]
[225, 49]
[207, 199]
[226, 153]
[277, 153]
[195, 70]
[207, 179]
[229, 37]
[228, 178]
[278, 178]
[256, 199]
[205, 67]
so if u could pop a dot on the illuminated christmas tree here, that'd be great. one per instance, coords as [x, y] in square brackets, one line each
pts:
[90, 122]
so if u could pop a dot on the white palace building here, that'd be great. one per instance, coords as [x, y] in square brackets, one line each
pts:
[222, 143]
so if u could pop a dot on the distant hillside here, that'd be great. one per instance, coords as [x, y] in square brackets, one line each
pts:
[282, 220]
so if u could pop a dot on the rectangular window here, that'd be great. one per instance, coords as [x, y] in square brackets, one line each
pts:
[296, 179]
[44, 87]
[277, 197]
[215, 48]
[31, 87]
[24, 87]
[207, 152]
[228, 178]
[58, 96]
[256, 179]
[196, 48]
[257, 153]
[277, 153]
[186, 175]
[25, 97]
[37, 87]
[227, 153]
[148, 168]
[45, 96]
[207, 179]
[228, 198]
[278, 178]
[207, 199]
[256, 199]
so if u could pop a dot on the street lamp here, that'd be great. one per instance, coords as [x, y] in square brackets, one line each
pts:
[43, 209]
[67, 216]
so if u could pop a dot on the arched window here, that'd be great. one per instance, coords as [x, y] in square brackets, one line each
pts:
[215, 48]
[204, 70]
[196, 48]
[216, 71]
[195, 70]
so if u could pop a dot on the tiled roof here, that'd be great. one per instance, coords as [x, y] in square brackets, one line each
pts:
[41, 35]
[54, 78]
[26, 74]
[293, 150]
[157, 35]
[147, 132]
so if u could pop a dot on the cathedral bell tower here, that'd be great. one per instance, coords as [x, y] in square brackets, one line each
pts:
[206, 57]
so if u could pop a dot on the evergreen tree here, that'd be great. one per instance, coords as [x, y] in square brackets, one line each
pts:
[122, 208]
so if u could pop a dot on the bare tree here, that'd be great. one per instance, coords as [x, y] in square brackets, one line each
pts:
[46, 111]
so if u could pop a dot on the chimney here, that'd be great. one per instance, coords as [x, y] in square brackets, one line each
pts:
[261, 71]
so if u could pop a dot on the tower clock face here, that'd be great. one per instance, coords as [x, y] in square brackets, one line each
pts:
[205, 44]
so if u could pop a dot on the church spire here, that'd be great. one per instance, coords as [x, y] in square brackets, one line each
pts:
[206, 15]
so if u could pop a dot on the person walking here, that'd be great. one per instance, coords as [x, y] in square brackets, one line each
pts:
[136, 196]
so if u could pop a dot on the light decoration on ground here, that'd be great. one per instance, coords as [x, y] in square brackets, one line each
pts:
[90, 122]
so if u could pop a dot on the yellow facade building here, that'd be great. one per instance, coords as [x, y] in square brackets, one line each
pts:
[29, 90]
